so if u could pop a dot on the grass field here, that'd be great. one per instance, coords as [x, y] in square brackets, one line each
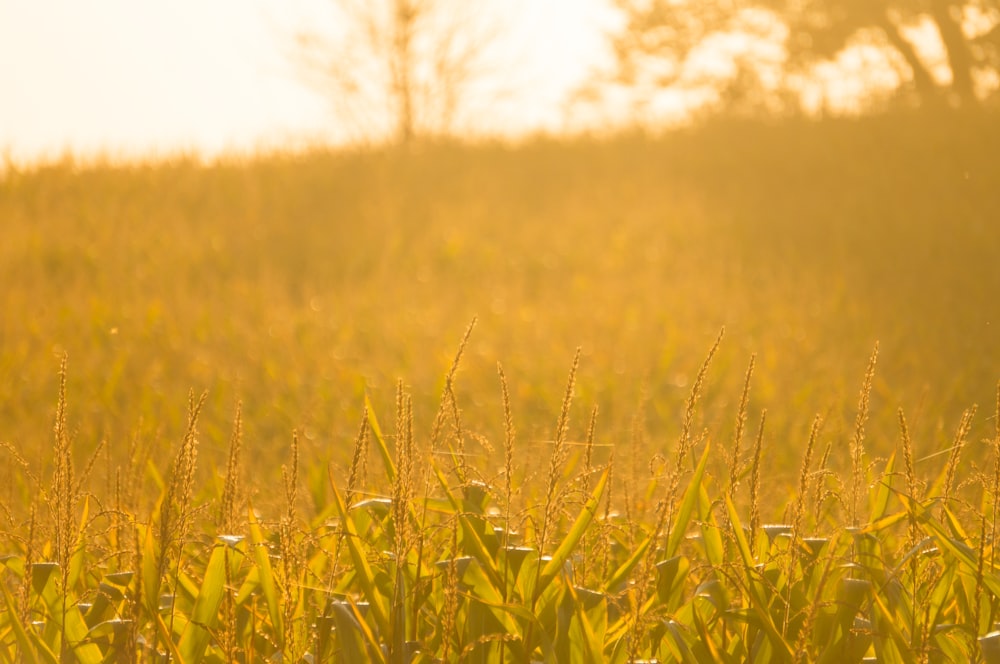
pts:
[305, 286]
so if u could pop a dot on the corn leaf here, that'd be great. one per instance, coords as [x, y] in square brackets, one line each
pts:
[573, 537]
[366, 578]
[758, 602]
[687, 507]
[390, 466]
[32, 648]
[204, 615]
[355, 639]
[265, 574]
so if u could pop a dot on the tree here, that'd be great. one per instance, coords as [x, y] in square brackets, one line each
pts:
[399, 68]
[943, 51]
[966, 32]
[723, 52]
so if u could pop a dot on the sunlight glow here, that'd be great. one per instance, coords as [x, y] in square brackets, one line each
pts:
[123, 78]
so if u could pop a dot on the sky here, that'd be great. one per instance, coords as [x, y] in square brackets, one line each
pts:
[121, 78]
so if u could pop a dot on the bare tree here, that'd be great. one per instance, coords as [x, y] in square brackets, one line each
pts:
[400, 68]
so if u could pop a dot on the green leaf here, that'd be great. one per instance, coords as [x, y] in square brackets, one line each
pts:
[620, 576]
[573, 537]
[32, 648]
[471, 538]
[688, 504]
[355, 639]
[711, 534]
[955, 548]
[390, 466]
[265, 574]
[528, 617]
[204, 615]
[671, 575]
[150, 571]
[369, 586]
[65, 614]
[758, 603]
[880, 502]
[897, 647]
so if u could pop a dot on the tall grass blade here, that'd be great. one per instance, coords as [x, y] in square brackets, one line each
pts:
[355, 639]
[205, 613]
[64, 612]
[471, 537]
[265, 573]
[573, 536]
[383, 449]
[756, 589]
[365, 576]
[687, 507]
[32, 648]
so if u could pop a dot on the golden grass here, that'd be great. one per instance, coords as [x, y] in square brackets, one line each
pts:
[297, 284]
[300, 289]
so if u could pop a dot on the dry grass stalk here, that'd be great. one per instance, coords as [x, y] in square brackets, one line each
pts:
[508, 473]
[588, 470]
[818, 482]
[755, 479]
[450, 595]
[63, 497]
[176, 508]
[459, 460]
[605, 530]
[735, 466]
[357, 476]
[664, 509]
[798, 513]
[955, 453]
[402, 487]
[804, 477]
[980, 576]
[558, 459]
[912, 491]
[126, 491]
[449, 381]
[858, 441]
[290, 478]
[741, 421]
[692, 402]
[588, 455]
[134, 603]
[912, 485]
[908, 469]
[995, 480]
[290, 556]
[994, 484]
[175, 511]
[402, 496]
[630, 479]
[686, 442]
[231, 492]
[291, 566]
[24, 597]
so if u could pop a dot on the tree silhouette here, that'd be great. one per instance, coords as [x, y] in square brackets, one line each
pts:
[966, 31]
[661, 36]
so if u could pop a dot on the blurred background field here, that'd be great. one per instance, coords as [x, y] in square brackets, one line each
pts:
[298, 283]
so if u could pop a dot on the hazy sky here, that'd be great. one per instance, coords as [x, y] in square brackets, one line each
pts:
[122, 77]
